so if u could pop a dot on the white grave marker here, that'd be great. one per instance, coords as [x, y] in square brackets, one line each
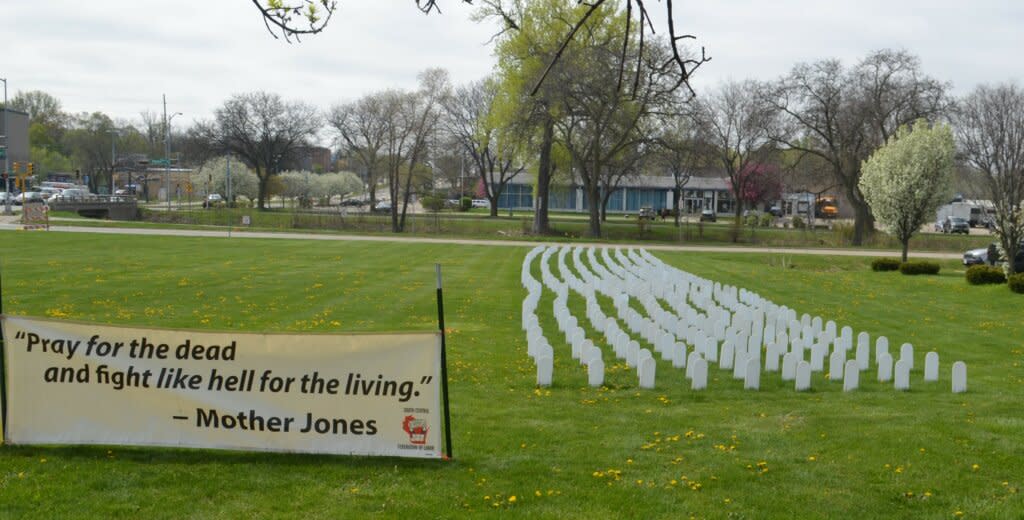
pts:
[851, 378]
[544, 368]
[646, 369]
[902, 376]
[788, 366]
[752, 381]
[728, 355]
[907, 354]
[679, 356]
[700, 374]
[881, 345]
[959, 377]
[863, 351]
[803, 376]
[885, 368]
[931, 366]
[835, 365]
[690, 359]
[595, 372]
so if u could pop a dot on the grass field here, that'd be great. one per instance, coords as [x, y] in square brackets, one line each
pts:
[564, 452]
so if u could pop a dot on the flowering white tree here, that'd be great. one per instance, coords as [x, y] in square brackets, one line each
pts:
[906, 180]
[215, 172]
[298, 185]
[340, 184]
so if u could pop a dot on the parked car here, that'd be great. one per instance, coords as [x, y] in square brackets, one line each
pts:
[976, 256]
[383, 205]
[481, 203]
[775, 211]
[956, 225]
[708, 216]
[72, 195]
[28, 196]
[980, 256]
[646, 214]
[353, 202]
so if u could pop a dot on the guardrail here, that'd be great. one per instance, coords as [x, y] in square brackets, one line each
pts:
[115, 207]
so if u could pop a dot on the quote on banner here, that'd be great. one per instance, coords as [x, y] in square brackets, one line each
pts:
[360, 394]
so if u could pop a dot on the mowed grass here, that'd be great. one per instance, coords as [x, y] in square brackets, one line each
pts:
[568, 451]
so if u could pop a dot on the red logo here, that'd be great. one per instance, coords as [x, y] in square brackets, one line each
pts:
[416, 428]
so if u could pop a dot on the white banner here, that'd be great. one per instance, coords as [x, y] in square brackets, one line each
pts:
[364, 394]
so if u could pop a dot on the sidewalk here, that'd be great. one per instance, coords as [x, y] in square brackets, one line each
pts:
[7, 222]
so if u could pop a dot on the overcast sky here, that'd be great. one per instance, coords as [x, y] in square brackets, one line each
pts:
[120, 57]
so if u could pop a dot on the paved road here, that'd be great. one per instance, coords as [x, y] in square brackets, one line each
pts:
[9, 223]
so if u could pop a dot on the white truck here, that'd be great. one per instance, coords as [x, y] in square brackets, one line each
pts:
[976, 212]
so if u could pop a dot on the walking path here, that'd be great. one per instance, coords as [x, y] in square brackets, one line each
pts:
[9, 222]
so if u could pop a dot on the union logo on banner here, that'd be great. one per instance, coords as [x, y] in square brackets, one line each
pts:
[416, 429]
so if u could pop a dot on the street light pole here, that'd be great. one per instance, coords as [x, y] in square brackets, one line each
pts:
[113, 156]
[7, 159]
[167, 152]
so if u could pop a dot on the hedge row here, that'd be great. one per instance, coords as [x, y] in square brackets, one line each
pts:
[1016, 283]
[919, 267]
[984, 274]
[913, 267]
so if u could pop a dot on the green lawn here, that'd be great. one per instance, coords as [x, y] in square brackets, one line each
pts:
[564, 452]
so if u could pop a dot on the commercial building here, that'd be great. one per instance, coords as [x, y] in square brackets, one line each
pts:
[640, 192]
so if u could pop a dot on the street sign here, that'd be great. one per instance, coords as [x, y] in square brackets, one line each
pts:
[188, 187]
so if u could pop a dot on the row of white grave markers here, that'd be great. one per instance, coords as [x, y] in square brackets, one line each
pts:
[703, 316]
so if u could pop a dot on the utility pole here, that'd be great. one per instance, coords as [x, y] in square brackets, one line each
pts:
[113, 156]
[7, 159]
[167, 152]
[227, 184]
[167, 157]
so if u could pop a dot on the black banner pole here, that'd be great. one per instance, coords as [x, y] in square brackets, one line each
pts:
[3, 366]
[444, 366]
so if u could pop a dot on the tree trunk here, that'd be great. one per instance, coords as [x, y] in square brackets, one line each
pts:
[494, 205]
[540, 216]
[906, 246]
[863, 221]
[675, 205]
[738, 224]
[261, 197]
[594, 195]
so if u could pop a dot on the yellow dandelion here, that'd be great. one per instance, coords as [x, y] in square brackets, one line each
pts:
[512, 499]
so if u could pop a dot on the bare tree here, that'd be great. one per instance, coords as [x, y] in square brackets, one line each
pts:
[733, 120]
[263, 130]
[494, 149]
[990, 131]
[679, 152]
[409, 123]
[842, 116]
[361, 128]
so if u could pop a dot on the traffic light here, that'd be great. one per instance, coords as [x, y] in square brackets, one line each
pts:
[17, 166]
[31, 168]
